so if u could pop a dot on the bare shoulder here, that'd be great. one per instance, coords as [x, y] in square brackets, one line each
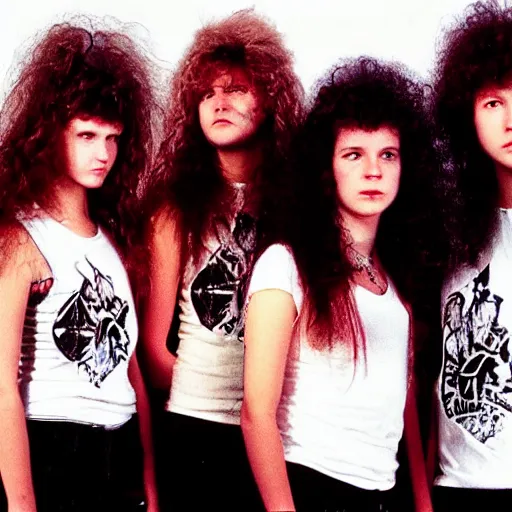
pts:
[19, 256]
[166, 221]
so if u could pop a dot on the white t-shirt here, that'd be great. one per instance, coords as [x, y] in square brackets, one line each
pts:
[207, 380]
[342, 421]
[474, 389]
[78, 339]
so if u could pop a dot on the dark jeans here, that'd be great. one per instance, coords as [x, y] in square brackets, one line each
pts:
[450, 499]
[79, 468]
[202, 465]
[313, 491]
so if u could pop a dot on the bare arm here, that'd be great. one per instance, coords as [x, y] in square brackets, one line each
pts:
[432, 455]
[144, 413]
[420, 487]
[158, 307]
[268, 332]
[15, 280]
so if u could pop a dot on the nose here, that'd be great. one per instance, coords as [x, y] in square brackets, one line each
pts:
[220, 100]
[102, 151]
[508, 116]
[372, 168]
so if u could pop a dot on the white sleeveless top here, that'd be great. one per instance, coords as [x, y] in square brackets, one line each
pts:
[474, 389]
[78, 339]
[207, 379]
[342, 421]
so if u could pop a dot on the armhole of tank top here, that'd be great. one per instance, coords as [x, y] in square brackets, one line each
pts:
[42, 263]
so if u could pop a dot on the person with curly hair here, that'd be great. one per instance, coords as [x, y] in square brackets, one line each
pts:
[75, 137]
[473, 107]
[216, 193]
[328, 379]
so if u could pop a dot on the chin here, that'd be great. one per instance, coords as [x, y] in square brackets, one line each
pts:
[94, 185]
[227, 144]
[506, 165]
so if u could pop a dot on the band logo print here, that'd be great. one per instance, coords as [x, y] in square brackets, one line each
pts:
[91, 327]
[476, 382]
[219, 290]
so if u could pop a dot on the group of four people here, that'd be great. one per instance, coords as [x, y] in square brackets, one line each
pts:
[303, 249]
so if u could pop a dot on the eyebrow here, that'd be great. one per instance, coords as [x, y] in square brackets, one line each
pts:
[489, 93]
[360, 148]
[93, 131]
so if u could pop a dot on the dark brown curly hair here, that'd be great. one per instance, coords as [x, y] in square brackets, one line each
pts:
[475, 52]
[369, 94]
[75, 70]
[187, 178]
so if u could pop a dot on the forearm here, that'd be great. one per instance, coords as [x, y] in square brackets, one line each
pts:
[150, 486]
[145, 430]
[14, 454]
[266, 456]
[420, 487]
[157, 367]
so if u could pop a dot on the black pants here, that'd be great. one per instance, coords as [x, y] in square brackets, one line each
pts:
[450, 499]
[79, 468]
[313, 491]
[202, 465]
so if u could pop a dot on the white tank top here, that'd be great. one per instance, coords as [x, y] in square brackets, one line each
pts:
[207, 380]
[474, 389]
[78, 339]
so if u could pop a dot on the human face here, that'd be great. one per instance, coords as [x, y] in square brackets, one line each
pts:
[366, 166]
[230, 112]
[493, 123]
[89, 149]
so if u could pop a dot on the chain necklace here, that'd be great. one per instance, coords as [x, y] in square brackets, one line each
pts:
[361, 262]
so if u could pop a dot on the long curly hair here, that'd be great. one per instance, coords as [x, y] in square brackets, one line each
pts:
[476, 51]
[187, 179]
[78, 71]
[368, 94]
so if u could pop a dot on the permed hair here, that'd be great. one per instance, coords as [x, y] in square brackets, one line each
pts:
[186, 178]
[73, 71]
[476, 52]
[368, 94]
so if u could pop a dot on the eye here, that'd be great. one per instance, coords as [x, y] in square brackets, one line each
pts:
[353, 155]
[86, 135]
[113, 138]
[390, 155]
[492, 104]
[207, 95]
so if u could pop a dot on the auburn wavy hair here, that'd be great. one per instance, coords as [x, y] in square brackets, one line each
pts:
[74, 70]
[475, 52]
[368, 94]
[187, 179]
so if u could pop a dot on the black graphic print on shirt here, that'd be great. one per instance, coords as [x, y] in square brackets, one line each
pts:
[90, 327]
[219, 289]
[476, 386]
[39, 291]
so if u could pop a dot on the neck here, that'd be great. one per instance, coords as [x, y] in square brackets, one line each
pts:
[504, 177]
[363, 231]
[71, 205]
[238, 165]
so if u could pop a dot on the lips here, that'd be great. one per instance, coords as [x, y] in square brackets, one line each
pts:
[371, 193]
[222, 121]
[507, 145]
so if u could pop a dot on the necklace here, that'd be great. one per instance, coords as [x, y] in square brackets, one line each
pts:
[361, 262]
